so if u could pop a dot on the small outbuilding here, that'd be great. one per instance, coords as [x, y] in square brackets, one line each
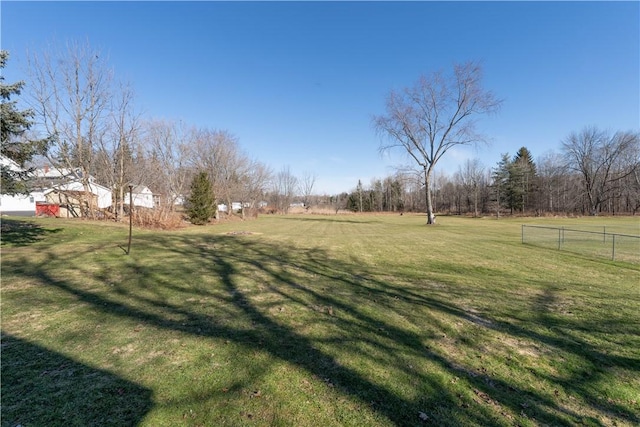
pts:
[142, 197]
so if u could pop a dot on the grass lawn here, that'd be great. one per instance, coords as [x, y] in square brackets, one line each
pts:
[315, 320]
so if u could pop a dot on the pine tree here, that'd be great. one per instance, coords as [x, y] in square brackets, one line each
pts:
[201, 202]
[500, 185]
[524, 177]
[13, 125]
[514, 181]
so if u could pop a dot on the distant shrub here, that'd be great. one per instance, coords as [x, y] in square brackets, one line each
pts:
[164, 219]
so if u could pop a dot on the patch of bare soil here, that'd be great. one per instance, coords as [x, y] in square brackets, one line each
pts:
[239, 233]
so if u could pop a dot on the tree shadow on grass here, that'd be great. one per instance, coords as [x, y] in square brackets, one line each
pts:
[341, 296]
[43, 388]
[21, 233]
[328, 218]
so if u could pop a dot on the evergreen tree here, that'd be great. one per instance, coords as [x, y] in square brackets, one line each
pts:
[13, 125]
[361, 199]
[523, 177]
[500, 185]
[514, 181]
[201, 203]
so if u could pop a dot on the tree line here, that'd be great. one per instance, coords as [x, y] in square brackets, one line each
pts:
[82, 119]
[94, 131]
[596, 172]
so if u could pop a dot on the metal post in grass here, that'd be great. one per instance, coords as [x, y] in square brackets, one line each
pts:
[604, 234]
[613, 248]
[130, 217]
[523, 233]
[559, 237]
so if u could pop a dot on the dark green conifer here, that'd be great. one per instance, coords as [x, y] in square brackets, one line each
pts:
[201, 205]
[15, 146]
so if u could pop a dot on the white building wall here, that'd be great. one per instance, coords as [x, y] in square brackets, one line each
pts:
[22, 204]
[105, 198]
[143, 198]
[235, 207]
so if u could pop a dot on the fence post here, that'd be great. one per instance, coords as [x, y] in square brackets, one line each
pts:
[604, 234]
[613, 250]
[559, 237]
[523, 233]
[130, 217]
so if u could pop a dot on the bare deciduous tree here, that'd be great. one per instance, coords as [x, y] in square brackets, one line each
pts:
[114, 166]
[603, 160]
[255, 180]
[163, 164]
[552, 174]
[632, 192]
[436, 114]
[217, 152]
[284, 189]
[471, 175]
[71, 92]
[307, 182]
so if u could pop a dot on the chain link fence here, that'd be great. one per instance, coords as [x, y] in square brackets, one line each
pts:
[595, 243]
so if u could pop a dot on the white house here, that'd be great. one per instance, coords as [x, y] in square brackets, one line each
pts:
[235, 207]
[103, 194]
[178, 200]
[61, 186]
[55, 182]
[48, 175]
[19, 204]
[6, 162]
[142, 196]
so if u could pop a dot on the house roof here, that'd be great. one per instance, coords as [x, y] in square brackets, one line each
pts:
[74, 185]
[140, 189]
[7, 162]
[69, 192]
[51, 172]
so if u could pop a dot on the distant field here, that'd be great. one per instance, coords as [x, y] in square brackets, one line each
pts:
[308, 320]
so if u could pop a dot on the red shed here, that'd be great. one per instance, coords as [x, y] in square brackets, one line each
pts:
[47, 209]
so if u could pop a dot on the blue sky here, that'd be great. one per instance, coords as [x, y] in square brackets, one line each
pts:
[298, 82]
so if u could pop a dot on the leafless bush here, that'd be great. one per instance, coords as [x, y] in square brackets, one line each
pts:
[163, 219]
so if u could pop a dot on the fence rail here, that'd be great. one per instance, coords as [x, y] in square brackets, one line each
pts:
[615, 246]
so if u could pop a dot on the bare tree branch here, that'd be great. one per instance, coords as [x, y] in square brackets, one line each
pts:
[434, 115]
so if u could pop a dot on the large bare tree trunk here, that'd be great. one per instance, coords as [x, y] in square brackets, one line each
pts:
[431, 218]
[434, 115]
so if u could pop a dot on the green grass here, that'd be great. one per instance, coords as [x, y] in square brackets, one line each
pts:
[615, 243]
[315, 320]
